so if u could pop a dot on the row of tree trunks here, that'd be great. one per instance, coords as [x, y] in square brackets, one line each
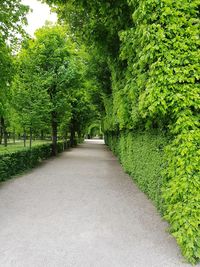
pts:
[54, 124]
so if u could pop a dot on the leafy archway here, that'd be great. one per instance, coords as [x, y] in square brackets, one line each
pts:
[94, 130]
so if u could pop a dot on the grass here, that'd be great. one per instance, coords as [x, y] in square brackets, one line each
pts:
[19, 145]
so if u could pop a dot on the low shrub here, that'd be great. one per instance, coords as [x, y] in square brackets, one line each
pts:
[12, 163]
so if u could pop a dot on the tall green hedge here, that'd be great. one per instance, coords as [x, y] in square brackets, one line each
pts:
[162, 90]
[151, 159]
[142, 156]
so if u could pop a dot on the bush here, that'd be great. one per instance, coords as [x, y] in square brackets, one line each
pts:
[141, 155]
[16, 162]
[169, 175]
[181, 192]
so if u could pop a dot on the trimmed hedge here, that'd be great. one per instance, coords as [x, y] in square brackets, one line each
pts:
[163, 90]
[16, 162]
[141, 155]
[144, 155]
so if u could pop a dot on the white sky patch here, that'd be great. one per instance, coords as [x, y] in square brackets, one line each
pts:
[40, 13]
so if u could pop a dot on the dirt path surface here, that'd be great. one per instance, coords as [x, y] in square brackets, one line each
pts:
[80, 209]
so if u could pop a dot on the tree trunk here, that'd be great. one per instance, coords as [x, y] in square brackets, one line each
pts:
[65, 138]
[79, 136]
[24, 138]
[1, 132]
[5, 134]
[42, 135]
[31, 137]
[54, 126]
[14, 136]
[72, 135]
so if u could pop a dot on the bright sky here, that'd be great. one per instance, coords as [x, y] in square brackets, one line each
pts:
[41, 13]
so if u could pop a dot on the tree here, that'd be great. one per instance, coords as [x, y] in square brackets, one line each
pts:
[6, 73]
[12, 19]
[48, 72]
[30, 101]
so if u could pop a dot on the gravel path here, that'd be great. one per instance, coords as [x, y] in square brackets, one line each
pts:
[80, 209]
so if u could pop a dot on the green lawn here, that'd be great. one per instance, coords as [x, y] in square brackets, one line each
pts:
[19, 145]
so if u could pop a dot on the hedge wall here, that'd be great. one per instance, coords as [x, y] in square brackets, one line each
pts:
[160, 88]
[145, 156]
[141, 155]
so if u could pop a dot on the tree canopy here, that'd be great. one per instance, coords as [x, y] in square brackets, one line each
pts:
[49, 87]
[12, 20]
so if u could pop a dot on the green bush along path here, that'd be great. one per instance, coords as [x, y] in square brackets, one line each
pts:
[15, 159]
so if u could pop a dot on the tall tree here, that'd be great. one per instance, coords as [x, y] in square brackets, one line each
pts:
[12, 19]
[47, 73]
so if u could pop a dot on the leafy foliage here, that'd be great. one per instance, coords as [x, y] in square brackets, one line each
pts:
[12, 18]
[181, 192]
[13, 163]
[47, 74]
[144, 63]
[153, 59]
[166, 67]
[131, 147]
